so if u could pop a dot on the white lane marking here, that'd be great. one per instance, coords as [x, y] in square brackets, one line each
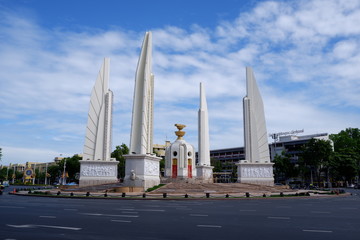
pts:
[10, 207]
[60, 227]
[151, 210]
[278, 217]
[348, 208]
[283, 207]
[199, 215]
[108, 215]
[21, 226]
[70, 209]
[247, 210]
[320, 212]
[183, 208]
[318, 231]
[209, 226]
[130, 212]
[44, 226]
[47, 216]
[141, 210]
[123, 221]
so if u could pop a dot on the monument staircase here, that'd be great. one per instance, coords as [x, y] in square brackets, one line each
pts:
[187, 187]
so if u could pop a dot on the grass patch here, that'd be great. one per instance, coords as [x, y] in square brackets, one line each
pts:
[155, 187]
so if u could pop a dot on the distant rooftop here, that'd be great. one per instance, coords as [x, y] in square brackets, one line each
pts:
[305, 137]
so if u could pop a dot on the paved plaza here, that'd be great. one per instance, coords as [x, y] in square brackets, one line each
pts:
[197, 190]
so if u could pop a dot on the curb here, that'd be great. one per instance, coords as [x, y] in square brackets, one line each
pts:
[149, 197]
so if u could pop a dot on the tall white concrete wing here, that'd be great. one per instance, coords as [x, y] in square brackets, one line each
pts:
[203, 126]
[99, 126]
[97, 167]
[255, 134]
[142, 169]
[143, 103]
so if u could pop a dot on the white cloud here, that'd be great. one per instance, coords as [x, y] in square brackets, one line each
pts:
[23, 155]
[345, 49]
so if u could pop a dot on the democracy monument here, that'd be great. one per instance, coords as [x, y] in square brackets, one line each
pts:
[142, 167]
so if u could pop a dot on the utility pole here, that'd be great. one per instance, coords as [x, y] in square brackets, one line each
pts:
[64, 173]
[46, 174]
[13, 176]
[34, 174]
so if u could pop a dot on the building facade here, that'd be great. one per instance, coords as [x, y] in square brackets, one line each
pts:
[292, 145]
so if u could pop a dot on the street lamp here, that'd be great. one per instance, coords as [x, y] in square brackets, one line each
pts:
[13, 176]
[46, 174]
[34, 174]
[64, 173]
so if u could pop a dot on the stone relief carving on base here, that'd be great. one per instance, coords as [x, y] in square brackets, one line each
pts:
[98, 171]
[151, 168]
[256, 172]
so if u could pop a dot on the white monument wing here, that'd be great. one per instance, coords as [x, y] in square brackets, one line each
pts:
[142, 115]
[256, 142]
[98, 129]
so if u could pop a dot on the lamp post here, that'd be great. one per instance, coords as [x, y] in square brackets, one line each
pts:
[34, 174]
[46, 174]
[64, 173]
[13, 176]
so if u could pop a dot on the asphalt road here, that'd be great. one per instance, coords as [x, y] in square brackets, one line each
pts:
[51, 218]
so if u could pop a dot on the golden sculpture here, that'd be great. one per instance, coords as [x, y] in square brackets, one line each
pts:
[180, 133]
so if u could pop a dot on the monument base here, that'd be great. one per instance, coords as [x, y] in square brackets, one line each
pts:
[142, 170]
[255, 173]
[96, 172]
[204, 174]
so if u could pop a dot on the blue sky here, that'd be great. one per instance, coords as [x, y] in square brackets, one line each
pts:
[305, 56]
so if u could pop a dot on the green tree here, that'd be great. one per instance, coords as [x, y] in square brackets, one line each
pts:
[343, 167]
[18, 177]
[346, 164]
[72, 167]
[3, 173]
[118, 154]
[54, 173]
[216, 163]
[10, 174]
[284, 168]
[317, 155]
